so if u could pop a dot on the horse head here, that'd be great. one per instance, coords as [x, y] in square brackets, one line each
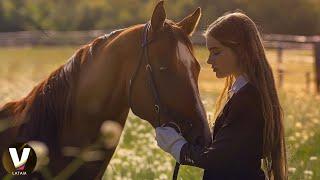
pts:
[163, 83]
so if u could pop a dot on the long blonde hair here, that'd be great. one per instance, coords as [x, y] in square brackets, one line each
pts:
[238, 32]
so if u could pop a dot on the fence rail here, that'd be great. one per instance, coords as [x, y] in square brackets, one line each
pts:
[30, 38]
[23, 38]
[274, 41]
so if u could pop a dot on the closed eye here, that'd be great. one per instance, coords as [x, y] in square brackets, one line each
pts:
[215, 50]
[215, 53]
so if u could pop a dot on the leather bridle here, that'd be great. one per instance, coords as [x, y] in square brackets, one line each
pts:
[158, 107]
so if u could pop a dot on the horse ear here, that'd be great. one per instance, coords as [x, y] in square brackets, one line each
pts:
[158, 17]
[189, 23]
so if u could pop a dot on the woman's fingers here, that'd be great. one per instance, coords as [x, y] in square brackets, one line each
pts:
[166, 137]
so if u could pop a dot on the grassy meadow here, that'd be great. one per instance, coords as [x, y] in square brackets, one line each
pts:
[137, 156]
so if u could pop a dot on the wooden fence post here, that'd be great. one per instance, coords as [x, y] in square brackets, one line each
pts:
[308, 81]
[316, 48]
[279, 52]
[279, 64]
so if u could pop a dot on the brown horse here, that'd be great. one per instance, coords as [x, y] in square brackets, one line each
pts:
[68, 108]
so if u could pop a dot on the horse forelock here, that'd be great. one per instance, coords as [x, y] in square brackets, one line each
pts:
[178, 33]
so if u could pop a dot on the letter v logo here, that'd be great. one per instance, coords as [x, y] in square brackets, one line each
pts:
[19, 164]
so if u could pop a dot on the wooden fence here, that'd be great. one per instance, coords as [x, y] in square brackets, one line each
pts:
[281, 43]
[301, 42]
[273, 41]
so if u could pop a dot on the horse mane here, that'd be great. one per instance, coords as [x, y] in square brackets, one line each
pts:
[42, 114]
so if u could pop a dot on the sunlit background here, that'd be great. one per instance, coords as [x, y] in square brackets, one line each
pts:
[28, 57]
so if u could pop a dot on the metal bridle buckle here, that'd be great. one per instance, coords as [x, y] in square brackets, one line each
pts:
[175, 125]
[148, 66]
[157, 108]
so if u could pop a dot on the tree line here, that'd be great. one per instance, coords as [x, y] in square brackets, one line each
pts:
[299, 17]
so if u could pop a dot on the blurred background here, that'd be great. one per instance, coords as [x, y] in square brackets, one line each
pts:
[297, 17]
[37, 36]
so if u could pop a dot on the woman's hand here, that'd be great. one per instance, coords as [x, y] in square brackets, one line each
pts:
[170, 141]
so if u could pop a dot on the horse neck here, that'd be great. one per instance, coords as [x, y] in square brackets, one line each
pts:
[102, 92]
[102, 88]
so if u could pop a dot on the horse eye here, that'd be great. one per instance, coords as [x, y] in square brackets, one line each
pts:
[163, 68]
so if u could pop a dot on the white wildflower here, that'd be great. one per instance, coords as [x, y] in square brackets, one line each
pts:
[111, 132]
[163, 176]
[308, 172]
[313, 158]
[41, 151]
[298, 125]
[292, 169]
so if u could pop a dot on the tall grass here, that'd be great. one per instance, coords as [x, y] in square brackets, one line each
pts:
[137, 156]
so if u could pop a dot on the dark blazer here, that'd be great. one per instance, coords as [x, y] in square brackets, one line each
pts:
[236, 150]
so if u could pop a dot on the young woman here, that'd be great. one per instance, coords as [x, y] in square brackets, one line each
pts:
[249, 128]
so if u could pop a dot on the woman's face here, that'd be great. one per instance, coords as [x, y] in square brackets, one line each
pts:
[223, 60]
